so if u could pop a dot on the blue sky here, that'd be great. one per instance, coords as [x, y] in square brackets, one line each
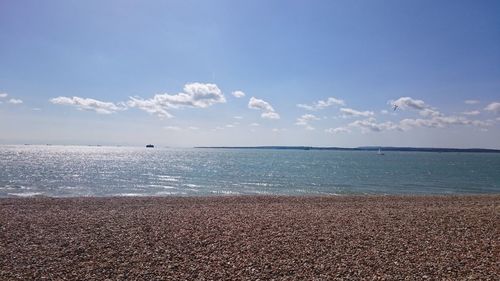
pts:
[313, 73]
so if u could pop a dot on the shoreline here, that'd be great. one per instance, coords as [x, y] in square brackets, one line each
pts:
[250, 237]
[22, 196]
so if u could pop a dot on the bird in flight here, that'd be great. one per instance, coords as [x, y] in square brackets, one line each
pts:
[395, 107]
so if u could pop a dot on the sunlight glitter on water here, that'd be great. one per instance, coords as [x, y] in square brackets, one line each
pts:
[66, 171]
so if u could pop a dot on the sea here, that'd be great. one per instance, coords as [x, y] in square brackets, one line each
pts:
[97, 171]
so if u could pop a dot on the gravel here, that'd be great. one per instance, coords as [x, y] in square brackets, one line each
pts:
[251, 238]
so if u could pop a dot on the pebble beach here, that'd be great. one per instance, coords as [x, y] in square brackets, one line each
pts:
[251, 238]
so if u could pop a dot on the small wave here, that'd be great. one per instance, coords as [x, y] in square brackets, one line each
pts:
[258, 184]
[162, 186]
[10, 186]
[170, 193]
[130, 194]
[168, 178]
[70, 187]
[225, 192]
[262, 192]
[26, 194]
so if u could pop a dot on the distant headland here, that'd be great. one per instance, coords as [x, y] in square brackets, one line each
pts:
[362, 148]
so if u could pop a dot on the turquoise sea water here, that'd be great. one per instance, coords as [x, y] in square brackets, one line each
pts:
[62, 171]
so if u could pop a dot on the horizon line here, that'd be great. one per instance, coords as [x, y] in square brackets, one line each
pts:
[362, 147]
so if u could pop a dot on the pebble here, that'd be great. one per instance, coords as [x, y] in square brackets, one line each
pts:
[250, 238]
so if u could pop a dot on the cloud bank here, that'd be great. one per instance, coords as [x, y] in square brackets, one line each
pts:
[199, 95]
[432, 118]
[441, 122]
[372, 125]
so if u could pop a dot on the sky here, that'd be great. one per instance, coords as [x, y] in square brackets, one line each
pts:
[244, 73]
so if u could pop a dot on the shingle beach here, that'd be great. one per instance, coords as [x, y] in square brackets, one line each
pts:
[251, 238]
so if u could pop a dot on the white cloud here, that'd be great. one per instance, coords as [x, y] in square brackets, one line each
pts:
[493, 107]
[471, 113]
[270, 115]
[436, 119]
[260, 105]
[15, 101]
[442, 122]
[238, 94]
[306, 107]
[305, 119]
[337, 130]
[88, 104]
[255, 124]
[384, 111]
[3, 95]
[268, 110]
[370, 124]
[193, 128]
[349, 112]
[198, 95]
[36, 109]
[426, 112]
[471, 102]
[150, 106]
[195, 95]
[238, 117]
[419, 105]
[407, 124]
[321, 104]
[407, 102]
[172, 128]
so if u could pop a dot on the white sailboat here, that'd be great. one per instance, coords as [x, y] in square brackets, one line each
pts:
[380, 152]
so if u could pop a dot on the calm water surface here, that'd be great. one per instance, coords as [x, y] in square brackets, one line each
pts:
[62, 171]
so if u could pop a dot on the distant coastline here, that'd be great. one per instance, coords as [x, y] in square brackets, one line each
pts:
[362, 148]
